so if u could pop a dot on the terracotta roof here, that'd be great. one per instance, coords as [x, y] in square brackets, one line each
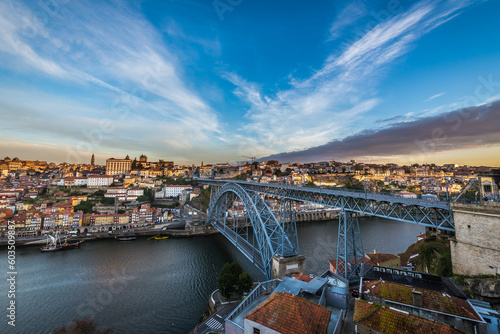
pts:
[431, 300]
[287, 313]
[302, 277]
[389, 321]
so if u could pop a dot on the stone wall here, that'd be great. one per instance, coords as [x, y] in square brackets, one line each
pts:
[476, 247]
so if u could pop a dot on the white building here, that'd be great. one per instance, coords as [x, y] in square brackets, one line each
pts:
[80, 181]
[97, 181]
[124, 194]
[175, 190]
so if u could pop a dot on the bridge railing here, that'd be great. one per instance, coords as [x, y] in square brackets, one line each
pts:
[356, 193]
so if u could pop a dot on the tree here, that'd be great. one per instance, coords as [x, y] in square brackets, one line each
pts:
[108, 200]
[233, 279]
[84, 206]
[245, 283]
[228, 278]
[83, 326]
[99, 192]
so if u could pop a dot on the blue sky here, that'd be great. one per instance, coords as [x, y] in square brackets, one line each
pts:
[214, 81]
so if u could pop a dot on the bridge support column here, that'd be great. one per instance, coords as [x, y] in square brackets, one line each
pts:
[350, 254]
[288, 222]
[283, 266]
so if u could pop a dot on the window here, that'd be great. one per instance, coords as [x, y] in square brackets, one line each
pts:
[487, 188]
[256, 331]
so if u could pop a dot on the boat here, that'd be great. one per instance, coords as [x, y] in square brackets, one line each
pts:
[123, 238]
[157, 237]
[70, 245]
[54, 244]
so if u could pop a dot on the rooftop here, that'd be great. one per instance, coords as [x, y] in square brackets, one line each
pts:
[288, 313]
[431, 300]
[390, 321]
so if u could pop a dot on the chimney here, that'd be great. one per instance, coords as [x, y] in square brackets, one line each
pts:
[417, 298]
[374, 251]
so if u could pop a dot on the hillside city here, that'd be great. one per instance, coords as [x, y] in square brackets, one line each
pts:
[41, 196]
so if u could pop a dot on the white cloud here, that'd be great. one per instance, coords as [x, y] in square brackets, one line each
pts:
[113, 47]
[326, 105]
[434, 97]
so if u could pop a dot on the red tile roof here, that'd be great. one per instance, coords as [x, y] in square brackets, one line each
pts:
[288, 313]
[431, 300]
[389, 321]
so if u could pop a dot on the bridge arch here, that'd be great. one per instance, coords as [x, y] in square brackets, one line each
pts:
[269, 236]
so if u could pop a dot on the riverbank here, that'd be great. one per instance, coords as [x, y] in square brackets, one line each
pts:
[36, 241]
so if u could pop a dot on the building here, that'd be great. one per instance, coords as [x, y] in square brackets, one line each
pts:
[75, 200]
[490, 184]
[475, 249]
[124, 194]
[175, 190]
[383, 260]
[413, 302]
[99, 181]
[118, 166]
[298, 304]
[287, 313]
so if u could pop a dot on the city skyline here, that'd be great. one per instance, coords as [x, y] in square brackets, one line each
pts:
[403, 82]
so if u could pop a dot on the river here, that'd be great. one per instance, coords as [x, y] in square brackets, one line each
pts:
[155, 286]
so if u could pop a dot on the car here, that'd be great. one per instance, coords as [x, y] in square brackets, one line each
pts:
[110, 232]
[89, 234]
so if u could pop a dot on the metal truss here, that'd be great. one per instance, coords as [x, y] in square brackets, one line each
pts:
[288, 221]
[269, 236]
[435, 214]
[350, 254]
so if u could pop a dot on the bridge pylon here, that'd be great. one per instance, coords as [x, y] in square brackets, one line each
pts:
[350, 254]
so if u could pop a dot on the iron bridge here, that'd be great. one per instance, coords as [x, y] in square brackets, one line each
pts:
[278, 235]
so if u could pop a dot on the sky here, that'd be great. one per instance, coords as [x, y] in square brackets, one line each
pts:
[221, 81]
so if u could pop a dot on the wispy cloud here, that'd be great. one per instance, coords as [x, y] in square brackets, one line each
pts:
[434, 97]
[111, 47]
[349, 15]
[327, 104]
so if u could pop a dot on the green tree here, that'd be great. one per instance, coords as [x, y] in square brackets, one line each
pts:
[233, 279]
[85, 206]
[108, 200]
[245, 283]
[228, 279]
[426, 255]
[445, 266]
[99, 193]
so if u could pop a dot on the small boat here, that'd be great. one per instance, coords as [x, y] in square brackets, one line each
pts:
[70, 245]
[54, 244]
[157, 237]
[125, 238]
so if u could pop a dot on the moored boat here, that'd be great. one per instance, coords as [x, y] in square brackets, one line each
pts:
[157, 237]
[124, 238]
[54, 244]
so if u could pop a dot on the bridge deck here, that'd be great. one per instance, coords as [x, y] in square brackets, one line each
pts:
[417, 211]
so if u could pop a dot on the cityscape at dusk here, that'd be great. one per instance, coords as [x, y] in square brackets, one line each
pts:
[238, 167]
